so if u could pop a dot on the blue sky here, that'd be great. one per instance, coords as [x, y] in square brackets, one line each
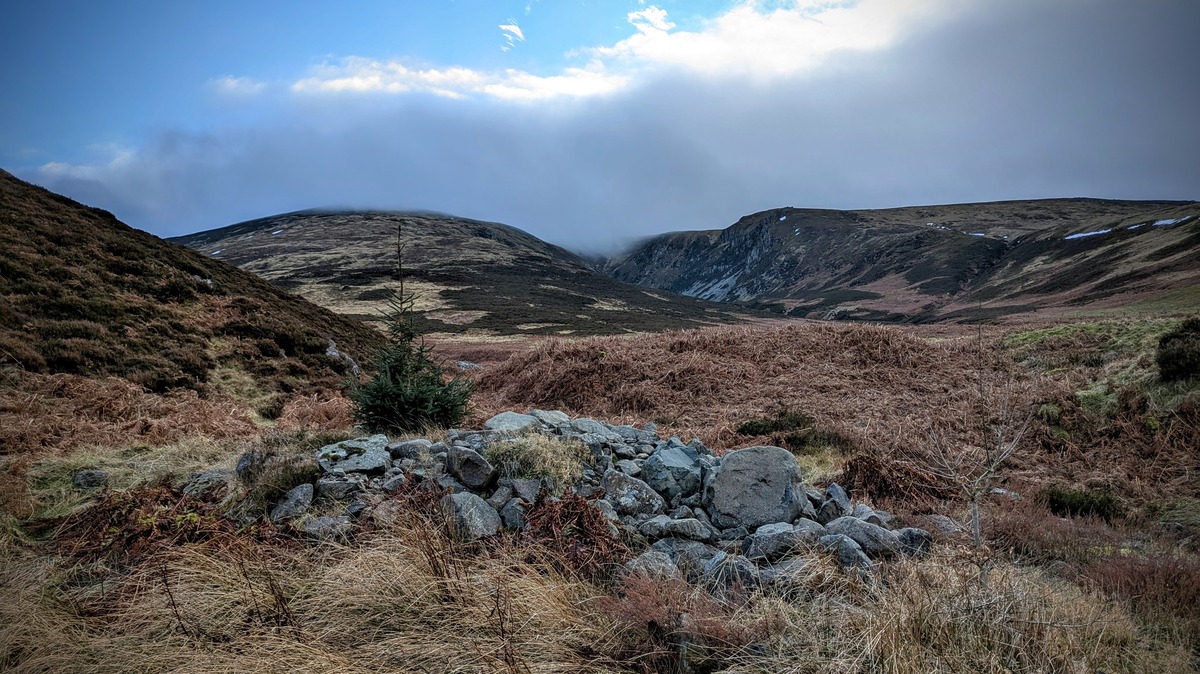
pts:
[590, 123]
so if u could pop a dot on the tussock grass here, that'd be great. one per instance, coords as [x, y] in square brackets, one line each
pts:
[539, 456]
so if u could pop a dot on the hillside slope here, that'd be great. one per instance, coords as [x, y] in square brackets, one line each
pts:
[82, 293]
[467, 275]
[933, 262]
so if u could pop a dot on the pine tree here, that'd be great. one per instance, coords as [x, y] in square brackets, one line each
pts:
[409, 390]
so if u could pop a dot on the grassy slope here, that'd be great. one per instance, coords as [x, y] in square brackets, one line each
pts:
[81, 293]
[468, 275]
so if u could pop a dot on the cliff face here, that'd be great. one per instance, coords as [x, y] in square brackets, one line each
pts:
[928, 263]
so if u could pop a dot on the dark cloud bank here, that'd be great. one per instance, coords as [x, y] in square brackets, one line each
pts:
[1025, 99]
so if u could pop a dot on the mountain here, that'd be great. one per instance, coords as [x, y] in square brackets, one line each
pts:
[466, 275]
[82, 293]
[935, 262]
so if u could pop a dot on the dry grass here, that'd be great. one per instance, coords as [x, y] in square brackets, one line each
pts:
[538, 456]
[40, 413]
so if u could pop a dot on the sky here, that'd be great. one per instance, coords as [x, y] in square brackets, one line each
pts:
[593, 123]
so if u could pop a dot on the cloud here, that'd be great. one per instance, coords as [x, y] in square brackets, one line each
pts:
[751, 39]
[512, 34]
[650, 20]
[360, 75]
[993, 100]
[237, 86]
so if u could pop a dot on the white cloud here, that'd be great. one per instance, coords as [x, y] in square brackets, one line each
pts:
[512, 34]
[237, 86]
[361, 75]
[650, 20]
[748, 40]
[766, 43]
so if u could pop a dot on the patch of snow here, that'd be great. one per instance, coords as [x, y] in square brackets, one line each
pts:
[217, 252]
[278, 231]
[782, 218]
[1135, 226]
[1169, 222]
[978, 234]
[796, 231]
[1072, 237]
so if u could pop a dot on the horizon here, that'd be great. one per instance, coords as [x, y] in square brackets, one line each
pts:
[593, 126]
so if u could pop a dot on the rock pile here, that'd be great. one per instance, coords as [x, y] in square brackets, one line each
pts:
[745, 517]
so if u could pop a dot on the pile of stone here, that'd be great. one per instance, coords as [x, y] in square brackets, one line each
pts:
[746, 517]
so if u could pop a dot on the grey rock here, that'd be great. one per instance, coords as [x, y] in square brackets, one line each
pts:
[207, 481]
[466, 365]
[327, 528]
[502, 495]
[673, 471]
[808, 530]
[527, 488]
[654, 564]
[836, 504]
[356, 508]
[551, 418]
[89, 479]
[914, 541]
[512, 422]
[733, 534]
[943, 525]
[391, 484]
[448, 483]
[698, 446]
[606, 509]
[513, 514]
[681, 513]
[630, 468]
[863, 512]
[772, 541]
[361, 455]
[410, 449]
[586, 426]
[337, 489]
[753, 487]
[248, 465]
[688, 555]
[785, 578]
[294, 503]
[875, 541]
[656, 527]
[724, 572]
[691, 528]
[628, 434]
[470, 468]
[624, 451]
[631, 496]
[882, 518]
[849, 554]
[470, 517]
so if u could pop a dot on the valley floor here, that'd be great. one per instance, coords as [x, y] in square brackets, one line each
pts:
[1089, 563]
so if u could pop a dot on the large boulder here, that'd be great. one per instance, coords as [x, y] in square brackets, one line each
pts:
[470, 516]
[753, 487]
[512, 422]
[470, 468]
[674, 471]
[631, 496]
[368, 455]
[874, 540]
